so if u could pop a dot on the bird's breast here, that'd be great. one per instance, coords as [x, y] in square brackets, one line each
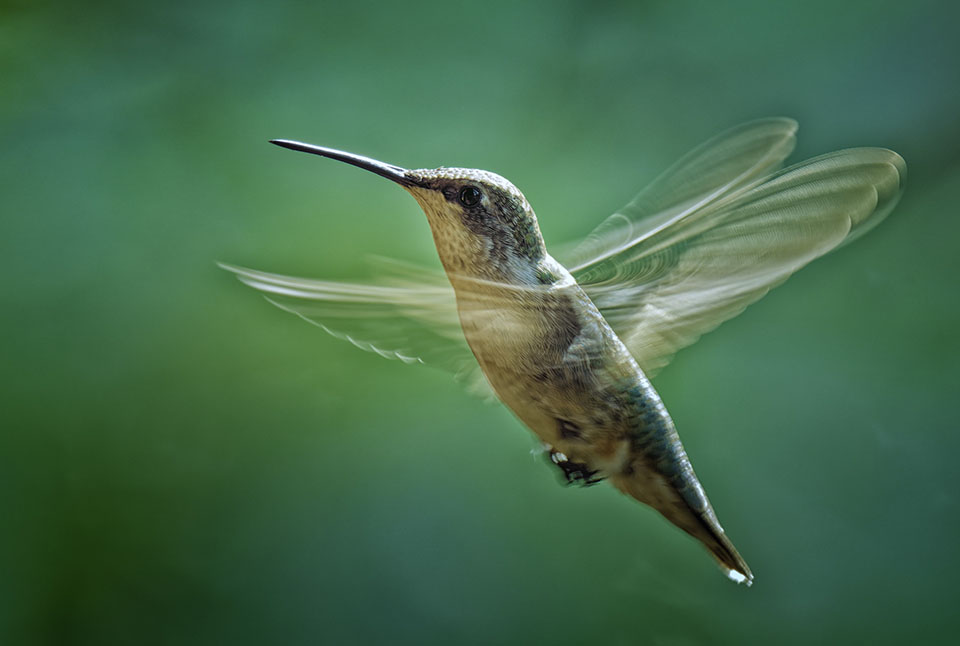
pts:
[560, 368]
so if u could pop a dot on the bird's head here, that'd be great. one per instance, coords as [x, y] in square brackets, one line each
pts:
[482, 224]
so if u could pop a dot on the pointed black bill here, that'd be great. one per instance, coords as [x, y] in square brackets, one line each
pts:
[395, 173]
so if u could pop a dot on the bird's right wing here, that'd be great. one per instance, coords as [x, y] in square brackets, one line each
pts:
[410, 315]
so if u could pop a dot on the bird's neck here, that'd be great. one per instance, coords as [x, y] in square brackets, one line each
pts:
[513, 278]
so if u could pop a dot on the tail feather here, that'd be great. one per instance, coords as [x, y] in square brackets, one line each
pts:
[697, 519]
[722, 549]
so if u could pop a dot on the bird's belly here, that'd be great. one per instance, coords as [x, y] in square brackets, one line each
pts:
[578, 410]
[561, 369]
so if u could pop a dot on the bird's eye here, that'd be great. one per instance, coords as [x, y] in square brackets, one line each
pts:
[470, 196]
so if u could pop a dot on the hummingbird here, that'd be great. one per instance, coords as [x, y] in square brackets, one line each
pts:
[570, 346]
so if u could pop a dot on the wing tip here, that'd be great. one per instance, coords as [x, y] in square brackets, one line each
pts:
[236, 270]
[899, 164]
[789, 123]
[787, 126]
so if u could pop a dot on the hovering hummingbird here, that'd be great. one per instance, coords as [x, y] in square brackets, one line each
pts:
[569, 347]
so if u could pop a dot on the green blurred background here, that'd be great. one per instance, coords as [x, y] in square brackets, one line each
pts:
[182, 463]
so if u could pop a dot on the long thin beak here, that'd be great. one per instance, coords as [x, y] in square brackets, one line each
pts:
[395, 173]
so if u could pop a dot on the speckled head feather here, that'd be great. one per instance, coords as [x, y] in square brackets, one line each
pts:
[482, 224]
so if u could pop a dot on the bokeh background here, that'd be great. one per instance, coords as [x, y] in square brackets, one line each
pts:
[182, 463]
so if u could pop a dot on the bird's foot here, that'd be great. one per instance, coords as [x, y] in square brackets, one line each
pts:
[575, 473]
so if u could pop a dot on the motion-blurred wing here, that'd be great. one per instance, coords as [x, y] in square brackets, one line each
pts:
[700, 263]
[728, 163]
[410, 316]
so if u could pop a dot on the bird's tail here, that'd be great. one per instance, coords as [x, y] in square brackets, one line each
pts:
[722, 549]
[695, 516]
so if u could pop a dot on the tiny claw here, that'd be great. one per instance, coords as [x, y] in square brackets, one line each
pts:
[577, 473]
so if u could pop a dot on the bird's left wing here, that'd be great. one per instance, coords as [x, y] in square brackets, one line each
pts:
[662, 287]
[410, 315]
